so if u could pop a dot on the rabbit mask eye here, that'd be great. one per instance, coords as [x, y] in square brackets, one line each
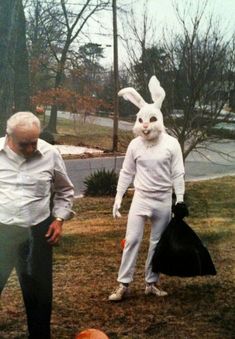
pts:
[140, 120]
[153, 119]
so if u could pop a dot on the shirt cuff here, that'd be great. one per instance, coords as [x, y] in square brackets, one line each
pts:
[63, 214]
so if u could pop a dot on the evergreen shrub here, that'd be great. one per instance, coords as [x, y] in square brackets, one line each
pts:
[101, 183]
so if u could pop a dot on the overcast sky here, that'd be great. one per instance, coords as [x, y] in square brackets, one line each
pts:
[163, 14]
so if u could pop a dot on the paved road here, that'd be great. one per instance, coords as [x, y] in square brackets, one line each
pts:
[79, 169]
[217, 162]
[107, 122]
[197, 167]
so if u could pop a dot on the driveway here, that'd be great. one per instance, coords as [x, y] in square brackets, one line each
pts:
[211, 163]
[208, 164]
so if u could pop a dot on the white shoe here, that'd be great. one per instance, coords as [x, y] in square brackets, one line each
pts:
[120, 293]
[152, 289]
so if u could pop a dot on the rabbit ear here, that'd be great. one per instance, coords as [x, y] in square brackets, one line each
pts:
[157, 92]
[133, 96]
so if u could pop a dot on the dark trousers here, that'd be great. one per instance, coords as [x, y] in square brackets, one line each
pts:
[27, 250]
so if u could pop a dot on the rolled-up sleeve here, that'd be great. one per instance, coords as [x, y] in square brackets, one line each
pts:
[63, 191]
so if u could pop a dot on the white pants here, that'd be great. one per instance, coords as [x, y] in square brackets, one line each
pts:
[158, 209]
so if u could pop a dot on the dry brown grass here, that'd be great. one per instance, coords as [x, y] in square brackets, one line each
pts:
[90, 135]
[85, 271]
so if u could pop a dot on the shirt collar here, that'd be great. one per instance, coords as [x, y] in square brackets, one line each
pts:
[3, 142]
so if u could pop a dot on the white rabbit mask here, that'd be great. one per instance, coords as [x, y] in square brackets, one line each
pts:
[149, 120]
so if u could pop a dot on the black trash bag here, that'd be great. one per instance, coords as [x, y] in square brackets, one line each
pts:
[181, 253]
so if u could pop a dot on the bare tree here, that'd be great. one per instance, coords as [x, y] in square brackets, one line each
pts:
[44, 29]
[138, 36]
[199, 72]
[55, 29]
[84, 71]
[73, 23]
[196, 68]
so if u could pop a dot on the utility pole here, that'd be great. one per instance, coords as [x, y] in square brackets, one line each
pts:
[116, 78]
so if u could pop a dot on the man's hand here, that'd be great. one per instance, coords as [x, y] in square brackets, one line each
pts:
[54, 232]
[116, 206]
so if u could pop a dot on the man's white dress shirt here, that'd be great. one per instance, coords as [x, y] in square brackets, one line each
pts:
[26, 186]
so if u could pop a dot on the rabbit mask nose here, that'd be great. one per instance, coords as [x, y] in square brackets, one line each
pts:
[145, 125]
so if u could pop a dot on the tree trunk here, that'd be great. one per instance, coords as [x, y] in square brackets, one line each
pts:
[52, 120]
[22, 88]
[8, 11]
[52, 124]
[14, 86]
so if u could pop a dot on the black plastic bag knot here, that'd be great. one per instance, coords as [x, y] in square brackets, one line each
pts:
[180, 210]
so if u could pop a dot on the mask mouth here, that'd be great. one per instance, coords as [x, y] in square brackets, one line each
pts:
[146, 132]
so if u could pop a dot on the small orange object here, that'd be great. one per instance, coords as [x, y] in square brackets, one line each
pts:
[123, 242]
[91, 333]
[40, 110]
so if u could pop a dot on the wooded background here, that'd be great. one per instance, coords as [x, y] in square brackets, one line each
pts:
[45, 64]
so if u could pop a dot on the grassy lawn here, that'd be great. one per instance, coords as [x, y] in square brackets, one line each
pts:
[85, 271]
[86, 133]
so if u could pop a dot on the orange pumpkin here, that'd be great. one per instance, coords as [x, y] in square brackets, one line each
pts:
[91, 333]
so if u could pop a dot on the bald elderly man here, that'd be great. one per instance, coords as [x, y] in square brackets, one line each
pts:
[29, 227]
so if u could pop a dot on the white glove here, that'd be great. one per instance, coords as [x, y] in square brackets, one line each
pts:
[179, 198]
[116, 206]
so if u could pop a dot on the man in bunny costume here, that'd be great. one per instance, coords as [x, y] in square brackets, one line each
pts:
[154, 160]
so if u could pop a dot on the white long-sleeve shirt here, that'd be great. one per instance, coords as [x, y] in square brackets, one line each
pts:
[156, 169]
[26, 184]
